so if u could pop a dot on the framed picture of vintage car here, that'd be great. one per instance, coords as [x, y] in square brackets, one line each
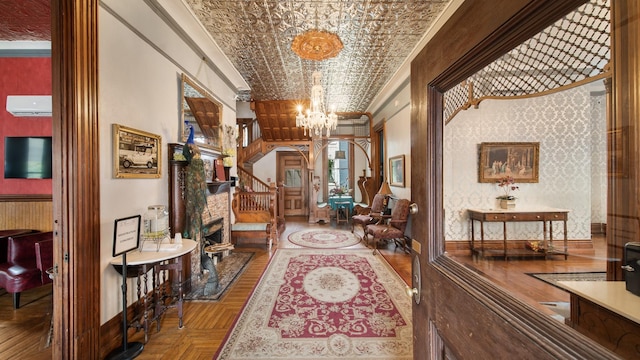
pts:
[136, 153]
[519, 160]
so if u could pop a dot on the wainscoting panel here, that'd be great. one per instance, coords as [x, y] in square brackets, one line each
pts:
[26, 212]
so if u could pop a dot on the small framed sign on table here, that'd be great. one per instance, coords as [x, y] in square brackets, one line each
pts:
[126, 234]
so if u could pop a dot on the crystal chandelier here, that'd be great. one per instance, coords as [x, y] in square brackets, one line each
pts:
[315, 120]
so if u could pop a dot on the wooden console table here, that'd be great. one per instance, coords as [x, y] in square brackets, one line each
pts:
[606, 312]
[544, 215]
[158, 261]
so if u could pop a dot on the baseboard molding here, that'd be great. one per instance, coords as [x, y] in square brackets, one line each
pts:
[111, 331]
[598, 228]
[463, 247]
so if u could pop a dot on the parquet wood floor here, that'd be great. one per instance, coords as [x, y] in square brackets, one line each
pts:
[23, 331]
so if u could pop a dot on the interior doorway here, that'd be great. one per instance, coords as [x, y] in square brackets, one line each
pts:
[292, 172]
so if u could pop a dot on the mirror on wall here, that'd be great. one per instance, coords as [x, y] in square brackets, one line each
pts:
[202, 112]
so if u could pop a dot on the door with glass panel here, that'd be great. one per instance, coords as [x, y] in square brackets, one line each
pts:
[292, 172]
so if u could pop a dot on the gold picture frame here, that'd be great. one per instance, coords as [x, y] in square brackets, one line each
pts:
[136, 153]
[396, 171]
[201, 112]
[519, 160]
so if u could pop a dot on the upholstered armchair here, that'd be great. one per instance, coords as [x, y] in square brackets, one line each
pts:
[371, 216]
[20, 272]
[394, 229]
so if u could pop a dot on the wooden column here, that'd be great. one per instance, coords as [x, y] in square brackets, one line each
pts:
[623, 222]
[76, 188]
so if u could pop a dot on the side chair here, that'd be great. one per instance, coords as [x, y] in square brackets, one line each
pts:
[392, 230]
[372, 216]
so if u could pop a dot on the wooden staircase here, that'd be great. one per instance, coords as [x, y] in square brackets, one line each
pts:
[258, 208]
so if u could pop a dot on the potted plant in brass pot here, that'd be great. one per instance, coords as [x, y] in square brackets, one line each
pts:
[508, 184]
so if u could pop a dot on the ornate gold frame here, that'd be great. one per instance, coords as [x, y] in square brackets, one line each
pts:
[126, 142]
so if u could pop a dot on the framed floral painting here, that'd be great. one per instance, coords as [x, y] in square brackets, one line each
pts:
[519, 160]
[396, 171]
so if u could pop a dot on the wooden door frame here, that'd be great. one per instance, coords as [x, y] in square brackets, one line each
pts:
[76, 189]
[462, 314]
[305, 175]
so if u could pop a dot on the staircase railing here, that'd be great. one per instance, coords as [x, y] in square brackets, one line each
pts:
[255, 201]
[251, 146]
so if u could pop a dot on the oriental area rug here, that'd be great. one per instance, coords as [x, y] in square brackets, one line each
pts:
[324, 239]
[228, 269]
[324, 304]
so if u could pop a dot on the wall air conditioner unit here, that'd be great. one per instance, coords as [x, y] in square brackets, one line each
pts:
[29, 105]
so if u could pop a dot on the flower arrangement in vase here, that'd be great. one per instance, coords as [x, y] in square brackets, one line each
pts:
[508, 184]
[341, 189]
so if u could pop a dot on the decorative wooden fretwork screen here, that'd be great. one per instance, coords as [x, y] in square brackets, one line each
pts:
[574, 50]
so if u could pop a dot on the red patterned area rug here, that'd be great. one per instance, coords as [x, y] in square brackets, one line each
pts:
[324, 239]
[324, 304]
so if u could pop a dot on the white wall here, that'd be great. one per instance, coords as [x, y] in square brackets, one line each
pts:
[396, 113]
[562, 123]
[141, 60]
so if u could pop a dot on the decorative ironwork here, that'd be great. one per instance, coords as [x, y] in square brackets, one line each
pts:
[574, 49]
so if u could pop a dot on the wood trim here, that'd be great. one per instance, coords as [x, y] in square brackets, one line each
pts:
[26, 198]
[464, 306]
[463, 247]
[36, 215]
[76, 186]
[623, 190]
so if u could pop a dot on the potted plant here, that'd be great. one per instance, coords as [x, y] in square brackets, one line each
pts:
[508, 184]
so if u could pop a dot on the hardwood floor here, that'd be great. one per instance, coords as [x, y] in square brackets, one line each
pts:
[24, 331]
[206, 324]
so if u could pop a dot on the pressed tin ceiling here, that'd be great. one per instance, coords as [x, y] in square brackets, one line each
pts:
[25, 20]
[377, 35]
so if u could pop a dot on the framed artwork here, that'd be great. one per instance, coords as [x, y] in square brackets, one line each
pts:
[126, 234]
[202, 114]
[136, 153]
[396, 171]
[519, 160]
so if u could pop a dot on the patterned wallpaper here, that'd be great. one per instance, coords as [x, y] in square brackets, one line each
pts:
[23, 76]
[569, 126]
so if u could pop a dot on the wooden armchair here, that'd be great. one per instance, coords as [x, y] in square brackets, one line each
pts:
[394, 229]
[372, 216]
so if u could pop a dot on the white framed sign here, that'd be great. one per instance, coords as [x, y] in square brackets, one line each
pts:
[126, 234]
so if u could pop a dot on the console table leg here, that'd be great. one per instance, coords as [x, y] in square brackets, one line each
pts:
[504, 239]
[566, 249]
[550, 235]
[473, 247]
[145, 323]
[544, 239]
[179, 293]
[482, 237]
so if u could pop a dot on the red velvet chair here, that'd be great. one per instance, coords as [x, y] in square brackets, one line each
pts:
[392, 230]
[21, 272]
[370, 217]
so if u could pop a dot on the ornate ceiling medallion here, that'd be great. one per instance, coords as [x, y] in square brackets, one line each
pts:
[316, 45]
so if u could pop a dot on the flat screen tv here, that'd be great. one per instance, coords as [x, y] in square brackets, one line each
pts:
[27, 157]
